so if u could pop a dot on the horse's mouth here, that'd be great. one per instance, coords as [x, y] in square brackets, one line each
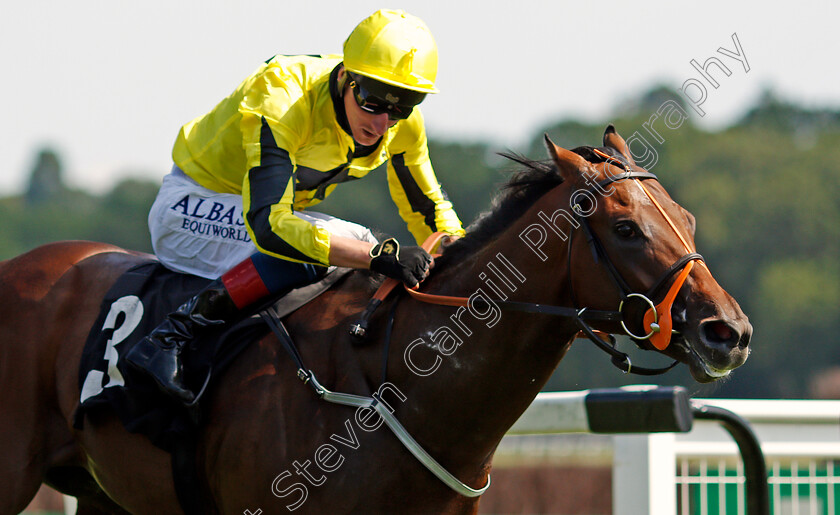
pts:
[702, 370]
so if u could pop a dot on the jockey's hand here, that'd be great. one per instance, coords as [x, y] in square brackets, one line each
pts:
[407, 264]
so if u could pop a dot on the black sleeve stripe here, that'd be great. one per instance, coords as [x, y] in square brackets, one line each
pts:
[267, 184]
[419, 202]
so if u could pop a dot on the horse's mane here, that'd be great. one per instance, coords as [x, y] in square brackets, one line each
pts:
[523, 189]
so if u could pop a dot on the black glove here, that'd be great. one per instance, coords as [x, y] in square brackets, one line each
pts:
[408, 264]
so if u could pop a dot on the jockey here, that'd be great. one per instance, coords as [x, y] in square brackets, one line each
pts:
[232, 209]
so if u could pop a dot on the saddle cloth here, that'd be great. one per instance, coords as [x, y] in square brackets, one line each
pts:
[131, 309]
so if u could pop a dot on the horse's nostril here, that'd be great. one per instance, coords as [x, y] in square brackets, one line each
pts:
[721, 332]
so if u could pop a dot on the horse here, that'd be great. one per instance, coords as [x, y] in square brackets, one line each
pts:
[573, 232]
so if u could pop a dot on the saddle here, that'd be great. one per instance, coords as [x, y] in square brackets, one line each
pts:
[132, 308]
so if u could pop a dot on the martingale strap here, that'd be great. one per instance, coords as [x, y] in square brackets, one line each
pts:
[357, 401]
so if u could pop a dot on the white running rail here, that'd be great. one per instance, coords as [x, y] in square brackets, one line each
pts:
[700, 472]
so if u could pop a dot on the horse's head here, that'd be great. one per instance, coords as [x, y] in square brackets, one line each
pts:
[643, 245]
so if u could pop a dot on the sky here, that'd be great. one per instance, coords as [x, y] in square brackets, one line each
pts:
[107, 84]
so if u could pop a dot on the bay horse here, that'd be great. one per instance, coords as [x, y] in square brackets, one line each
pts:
[457, 379]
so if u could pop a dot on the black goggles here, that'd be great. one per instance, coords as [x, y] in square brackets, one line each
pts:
[377, 98]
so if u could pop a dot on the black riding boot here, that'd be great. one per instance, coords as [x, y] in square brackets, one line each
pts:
[158, 354]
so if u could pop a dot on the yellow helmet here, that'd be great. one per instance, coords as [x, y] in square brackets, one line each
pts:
[395, 48]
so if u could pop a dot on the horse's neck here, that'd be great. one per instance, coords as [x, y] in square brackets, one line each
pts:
[501, 359]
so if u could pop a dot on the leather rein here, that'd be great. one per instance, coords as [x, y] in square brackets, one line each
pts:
[656, 324]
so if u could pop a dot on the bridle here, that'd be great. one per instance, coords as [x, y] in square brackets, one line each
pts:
[656, 321]
[657, 324]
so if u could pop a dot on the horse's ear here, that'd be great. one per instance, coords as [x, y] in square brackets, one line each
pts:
[613, 140]
[568, 163]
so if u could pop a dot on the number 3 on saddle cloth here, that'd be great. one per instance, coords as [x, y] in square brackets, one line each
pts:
[132, 308]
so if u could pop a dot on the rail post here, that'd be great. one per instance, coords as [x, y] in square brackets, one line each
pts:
[755, 468]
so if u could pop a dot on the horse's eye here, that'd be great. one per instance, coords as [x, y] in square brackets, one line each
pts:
[626, 230]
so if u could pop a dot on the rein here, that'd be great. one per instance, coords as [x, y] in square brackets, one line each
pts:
[657, 322]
